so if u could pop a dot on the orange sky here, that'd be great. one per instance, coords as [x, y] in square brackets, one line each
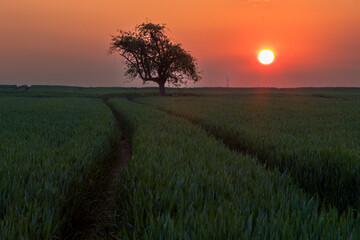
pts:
[65, 42]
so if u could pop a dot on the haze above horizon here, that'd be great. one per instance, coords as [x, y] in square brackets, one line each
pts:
[66, 42]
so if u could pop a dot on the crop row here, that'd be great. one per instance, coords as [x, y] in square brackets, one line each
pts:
[52, 153]
[182, 184]
[315, 139]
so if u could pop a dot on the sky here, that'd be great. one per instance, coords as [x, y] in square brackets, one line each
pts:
[65, 42]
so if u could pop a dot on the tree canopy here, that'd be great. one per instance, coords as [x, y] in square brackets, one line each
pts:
[151, 55]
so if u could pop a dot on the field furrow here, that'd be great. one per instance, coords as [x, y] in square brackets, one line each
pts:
[53, 153]
[182, 184]
[315, 140]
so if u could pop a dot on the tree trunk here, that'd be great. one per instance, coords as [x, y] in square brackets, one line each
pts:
[162, 88]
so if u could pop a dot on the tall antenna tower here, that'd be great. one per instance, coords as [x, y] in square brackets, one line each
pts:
[227, 78]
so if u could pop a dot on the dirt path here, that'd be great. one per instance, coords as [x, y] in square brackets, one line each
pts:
[124, 153]
[103, 214]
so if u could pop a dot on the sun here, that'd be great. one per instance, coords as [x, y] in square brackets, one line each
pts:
[266, 56]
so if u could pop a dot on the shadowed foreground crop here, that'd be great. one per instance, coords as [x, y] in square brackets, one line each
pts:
[205, 163]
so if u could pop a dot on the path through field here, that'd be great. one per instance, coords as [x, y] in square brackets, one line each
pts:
[292, 135]
[103, 214]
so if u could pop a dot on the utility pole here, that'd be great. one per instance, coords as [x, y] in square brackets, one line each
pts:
[227, 78]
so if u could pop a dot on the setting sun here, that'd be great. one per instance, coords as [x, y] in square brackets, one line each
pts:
[266, 56]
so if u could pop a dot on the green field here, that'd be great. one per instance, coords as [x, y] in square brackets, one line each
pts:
[205, 163]
[315, 139]
[49, 147]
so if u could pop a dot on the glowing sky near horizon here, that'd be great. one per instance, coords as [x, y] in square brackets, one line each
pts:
[65, 42]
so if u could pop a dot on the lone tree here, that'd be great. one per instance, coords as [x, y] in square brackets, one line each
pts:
[152, 56]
